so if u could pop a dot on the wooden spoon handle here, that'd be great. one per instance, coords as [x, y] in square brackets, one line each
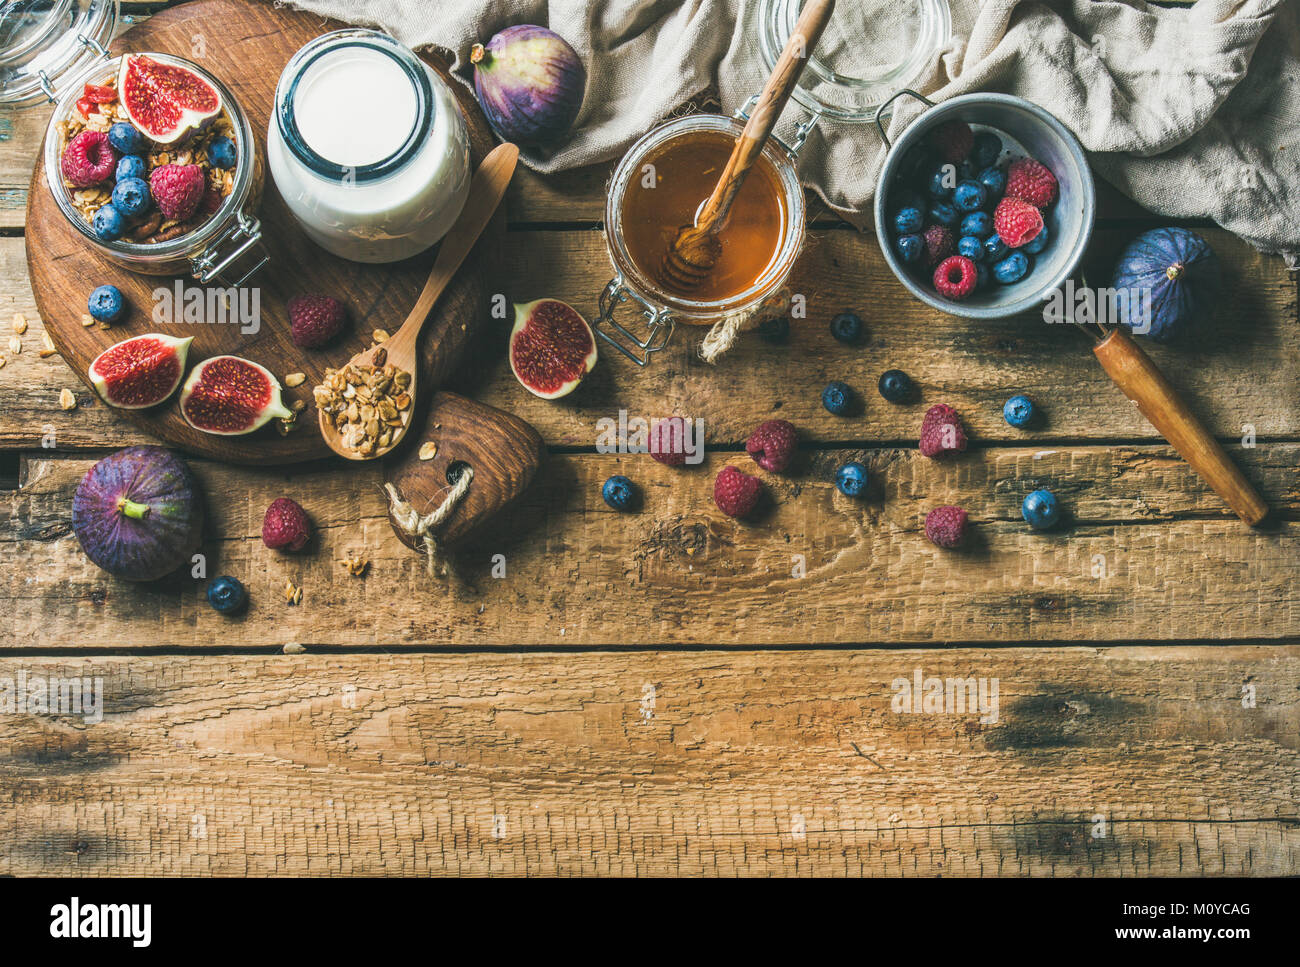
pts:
[807, 31]
[1144, 384]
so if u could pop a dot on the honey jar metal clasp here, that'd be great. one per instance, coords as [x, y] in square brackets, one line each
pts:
[659, 322]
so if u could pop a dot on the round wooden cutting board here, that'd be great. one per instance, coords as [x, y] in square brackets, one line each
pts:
[247, 46]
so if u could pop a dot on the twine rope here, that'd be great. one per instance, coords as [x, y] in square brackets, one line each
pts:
[724, 333]
[423, 527]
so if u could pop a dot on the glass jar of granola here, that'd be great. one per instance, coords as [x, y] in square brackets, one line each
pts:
[219, 239]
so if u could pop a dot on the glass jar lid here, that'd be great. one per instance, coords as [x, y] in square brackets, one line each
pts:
[43, 43]
[871, 49]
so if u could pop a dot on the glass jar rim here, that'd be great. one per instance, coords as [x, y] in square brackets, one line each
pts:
[52, 49]
[847, 96]
[287, 122]
[245, 148]
[777, 270]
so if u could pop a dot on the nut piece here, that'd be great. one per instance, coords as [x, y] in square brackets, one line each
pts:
[293, 648]
[67, 399]
[379, 335]
[20, 323]
[15, 345]
[87, 320]
[292, 594]
[357, 566]
[295, 379]
[428, 450]
[47, 346]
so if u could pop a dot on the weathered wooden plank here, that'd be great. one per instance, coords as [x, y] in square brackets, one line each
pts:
[1245, 371]
[1148, 554]
[1115, 762]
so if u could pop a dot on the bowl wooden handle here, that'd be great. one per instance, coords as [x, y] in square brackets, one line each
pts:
[1144, 384]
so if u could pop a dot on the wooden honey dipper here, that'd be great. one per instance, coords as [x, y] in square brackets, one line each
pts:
[696, 249]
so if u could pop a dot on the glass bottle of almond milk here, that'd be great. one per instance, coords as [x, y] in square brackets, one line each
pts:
[368, 147]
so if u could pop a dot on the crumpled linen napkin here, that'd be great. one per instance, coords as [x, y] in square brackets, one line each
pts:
[1193, 112]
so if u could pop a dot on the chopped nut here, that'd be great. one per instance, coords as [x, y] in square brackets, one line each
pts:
[292, 593]
[379, 335]
[67, 399]
[357, 566]
[15, 345]
[20, 323]
[298, 405]
[428, 450]
[47, 346]
[293, 648]
[87, 320]
[295, 379]
[380, 357]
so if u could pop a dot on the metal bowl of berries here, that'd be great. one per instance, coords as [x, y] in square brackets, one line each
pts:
[164, 180]
[985, 205]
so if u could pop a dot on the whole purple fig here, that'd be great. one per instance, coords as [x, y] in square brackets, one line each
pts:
[530, 83]
[138, 513]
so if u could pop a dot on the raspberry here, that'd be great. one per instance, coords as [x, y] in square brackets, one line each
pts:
[955, 277]
[736, 493]
[88, 159]
[772, 445]
[1016, 221]
[285, 527]
[941, 432]
[953, 141]
[178, 190]
[315, 319]
[668, 443]
[1031, 181]
[946, 526]
[938, 245]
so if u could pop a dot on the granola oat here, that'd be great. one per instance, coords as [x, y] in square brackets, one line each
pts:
[368, 405]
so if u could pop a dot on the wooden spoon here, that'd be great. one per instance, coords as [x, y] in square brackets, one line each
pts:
[485, 193]
[696, 249]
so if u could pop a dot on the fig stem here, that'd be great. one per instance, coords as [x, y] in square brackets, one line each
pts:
[1174, 271]
[477, 53]
[132, 509]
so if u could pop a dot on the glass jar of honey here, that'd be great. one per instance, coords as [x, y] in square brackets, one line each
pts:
[870, 50]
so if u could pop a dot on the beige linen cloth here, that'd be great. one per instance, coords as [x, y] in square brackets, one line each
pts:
[1194, 112]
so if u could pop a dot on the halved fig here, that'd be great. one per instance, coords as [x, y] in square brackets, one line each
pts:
[167, 102]
[141, 371]
[552, 348]
[229, 396]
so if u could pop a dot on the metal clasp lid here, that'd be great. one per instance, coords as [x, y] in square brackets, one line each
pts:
[47, 85]
[245, 234]
[800, 133]
[658, 320]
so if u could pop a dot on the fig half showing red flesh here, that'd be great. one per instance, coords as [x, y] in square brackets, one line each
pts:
[229, 396]
[141, 371]
[167, 102]
[551, 348]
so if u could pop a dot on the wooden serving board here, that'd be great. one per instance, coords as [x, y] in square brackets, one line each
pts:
[247, 47]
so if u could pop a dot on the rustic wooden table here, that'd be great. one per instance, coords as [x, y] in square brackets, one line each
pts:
[661, 692]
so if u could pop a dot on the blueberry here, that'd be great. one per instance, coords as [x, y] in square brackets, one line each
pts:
[941, 213]
[131, 166]
[106, 303]
[895, 386]
[994, 247]
[907, 198]
[108, 223]
[1019, 411]
[941, 182]
[846, 327]
[851, 479]
[908, 221]
[775, 329]
[970, 196]
[982, 275]
[971, 247]
[125, 138]
[1012, 268]
[978, 224]
[1041, 509]
[909, 247]
[618, 492]
[131, 197]
[837, 398]
[994, 181]
[221, 152]
[1036, 244]
[986, 149]
[227, 595]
